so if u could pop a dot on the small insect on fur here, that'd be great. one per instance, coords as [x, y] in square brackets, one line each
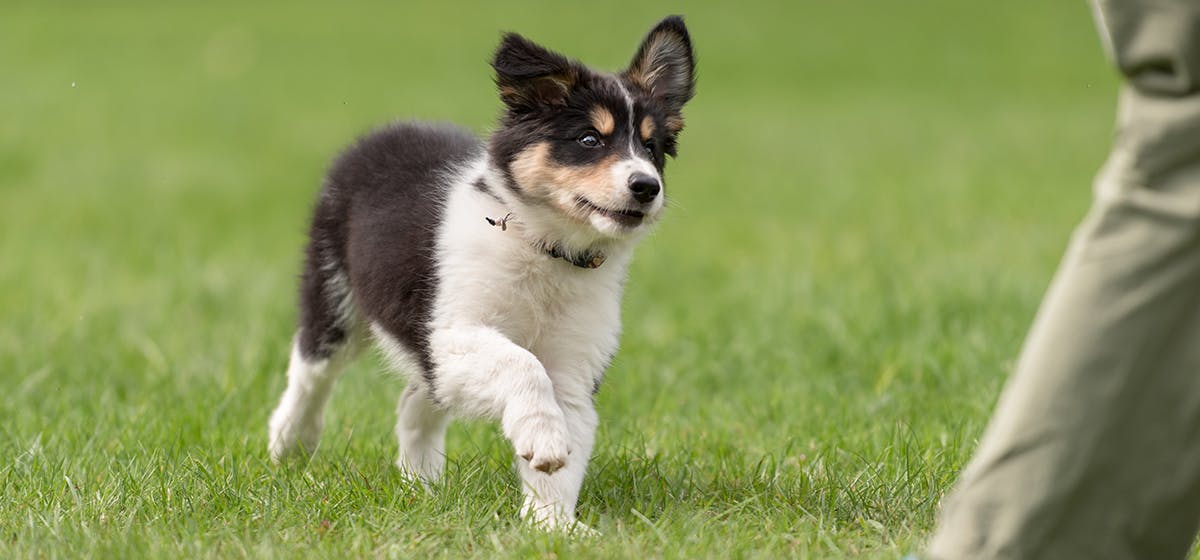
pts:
[502, 222]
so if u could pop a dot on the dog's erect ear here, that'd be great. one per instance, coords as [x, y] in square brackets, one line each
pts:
[664, 65]
[528, 74]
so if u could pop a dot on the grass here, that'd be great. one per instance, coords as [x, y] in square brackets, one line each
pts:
[867, 206]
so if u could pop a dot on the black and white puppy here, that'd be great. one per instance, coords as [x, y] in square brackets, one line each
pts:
[492, 272]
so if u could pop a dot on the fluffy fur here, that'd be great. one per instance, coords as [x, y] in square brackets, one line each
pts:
[492, 272]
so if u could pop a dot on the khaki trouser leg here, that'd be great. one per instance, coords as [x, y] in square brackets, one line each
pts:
[1094, 448]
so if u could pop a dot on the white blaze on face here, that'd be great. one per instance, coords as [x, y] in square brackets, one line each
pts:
[633, 161]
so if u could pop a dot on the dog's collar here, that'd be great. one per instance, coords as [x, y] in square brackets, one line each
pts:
[589, 259]
[586, 259]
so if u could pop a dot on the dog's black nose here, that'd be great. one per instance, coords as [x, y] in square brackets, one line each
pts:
[644, 187]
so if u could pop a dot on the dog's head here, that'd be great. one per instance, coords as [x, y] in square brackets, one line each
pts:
[590, 145]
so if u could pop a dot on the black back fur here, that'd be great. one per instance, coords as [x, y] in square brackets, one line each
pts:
[376, 216]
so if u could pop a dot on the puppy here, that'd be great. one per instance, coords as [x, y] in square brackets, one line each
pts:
[491, 272]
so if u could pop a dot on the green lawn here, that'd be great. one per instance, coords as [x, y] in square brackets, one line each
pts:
[869, 200]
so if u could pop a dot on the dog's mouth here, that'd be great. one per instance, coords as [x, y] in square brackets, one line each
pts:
[627, 217]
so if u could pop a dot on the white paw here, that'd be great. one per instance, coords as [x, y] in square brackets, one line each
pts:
[574, 528]
[292, 437]
[580, 530]
[550, 518]
[426, 469]
[541, 439]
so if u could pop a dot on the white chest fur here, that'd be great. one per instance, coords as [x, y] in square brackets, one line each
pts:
[568, 317]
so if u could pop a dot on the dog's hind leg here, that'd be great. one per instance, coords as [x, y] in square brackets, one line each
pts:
[421, 429]
[321, 348]
[296, 425]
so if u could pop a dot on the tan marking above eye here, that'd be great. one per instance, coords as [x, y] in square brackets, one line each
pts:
[602, 120]
[647, 128]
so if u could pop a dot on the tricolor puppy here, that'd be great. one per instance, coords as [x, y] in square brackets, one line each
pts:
[491, 272]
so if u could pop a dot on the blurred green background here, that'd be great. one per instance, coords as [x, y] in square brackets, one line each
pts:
[870, 198]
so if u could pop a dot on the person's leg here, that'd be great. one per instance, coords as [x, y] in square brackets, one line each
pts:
[1094, 448]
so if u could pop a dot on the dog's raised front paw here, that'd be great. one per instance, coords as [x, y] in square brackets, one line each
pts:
[541, 439]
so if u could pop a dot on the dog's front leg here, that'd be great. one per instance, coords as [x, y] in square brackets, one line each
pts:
[481, 372]
[550, 499]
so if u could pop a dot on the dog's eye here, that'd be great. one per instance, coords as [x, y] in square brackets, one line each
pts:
[590, 140]
[649, 146]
